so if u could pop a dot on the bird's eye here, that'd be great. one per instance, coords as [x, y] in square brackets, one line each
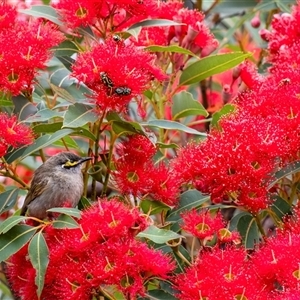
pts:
[69, 164]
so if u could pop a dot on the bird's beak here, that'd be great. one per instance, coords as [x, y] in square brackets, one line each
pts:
[83, 159]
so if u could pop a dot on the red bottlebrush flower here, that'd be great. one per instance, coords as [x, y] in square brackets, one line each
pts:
[165, 186]
[131, 178]
[77, 13]
[249, 75]
[82, 260]
[277, 264]
[116, 73]
[111, 219]
[24, 48]
[3, 149]
[220, 274]
[229, 167]
[137, 149]
[12, 133]
[8, 16]
[202, 224]
[193, 34]
[120, 13]
[151, 36]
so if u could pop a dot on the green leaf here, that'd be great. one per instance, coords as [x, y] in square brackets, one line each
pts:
[74, 212]
[153, 207]
[154, 23]
[39, 256]
[61, 78]
[248, 230]
[158, 295]
[288, 170]
[122, 127]
[226, 109]
[65, 221]
[44, 115]
[84, 203]
[63, 93]
[235, 220]
[23, 107]
[135, 29]
[5, 102]
[78, 115]
[157, 235]
[172, 125]
[188, 200]
[14, 240]
[85, 133]
[42, 11]
[280, 207]
[47, 128]
[211, 65]
[39, 143]
[185, 105]
[10, 222]
[67, 141]
[172, 48]
[163, 145]
[8, 199]
[66, 48]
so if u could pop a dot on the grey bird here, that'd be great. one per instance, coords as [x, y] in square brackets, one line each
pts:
[56, 182]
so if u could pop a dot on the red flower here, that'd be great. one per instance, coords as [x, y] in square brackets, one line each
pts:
[108, 15]
[102, 251]
[201, 224]
[165, 186]
[116, 73]
[220, 274]
[137, 149]
[277, 264]
[132, 178]
[13, 134]
[8, 16]
[25, 48]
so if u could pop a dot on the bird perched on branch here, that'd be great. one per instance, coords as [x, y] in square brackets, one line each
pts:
[55, 183]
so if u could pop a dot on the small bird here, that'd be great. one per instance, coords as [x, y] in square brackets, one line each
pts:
[56, 182]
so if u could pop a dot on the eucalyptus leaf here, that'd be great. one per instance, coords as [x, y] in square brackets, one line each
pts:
[185, 105]
[65, 221]
[8, 200]
[280, 207]
[47, 128]
[211, 65]
[44, 115]
[172, 125]
[74, 212]
[172, 49]
[43, 11]
[23, 107]
[291, 168]
[61, 78]
[248, 230]
[188, 200]
[14, 239]
[78, 115]
[66, 48]
[157, 235]
[10, 222]
[39, 256]
[152, 207]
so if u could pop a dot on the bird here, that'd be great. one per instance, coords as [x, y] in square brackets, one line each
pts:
[56, 183]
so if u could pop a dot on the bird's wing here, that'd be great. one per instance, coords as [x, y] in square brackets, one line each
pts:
[36, 190]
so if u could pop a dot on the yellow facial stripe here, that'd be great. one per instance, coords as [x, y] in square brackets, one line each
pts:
[71, 163]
